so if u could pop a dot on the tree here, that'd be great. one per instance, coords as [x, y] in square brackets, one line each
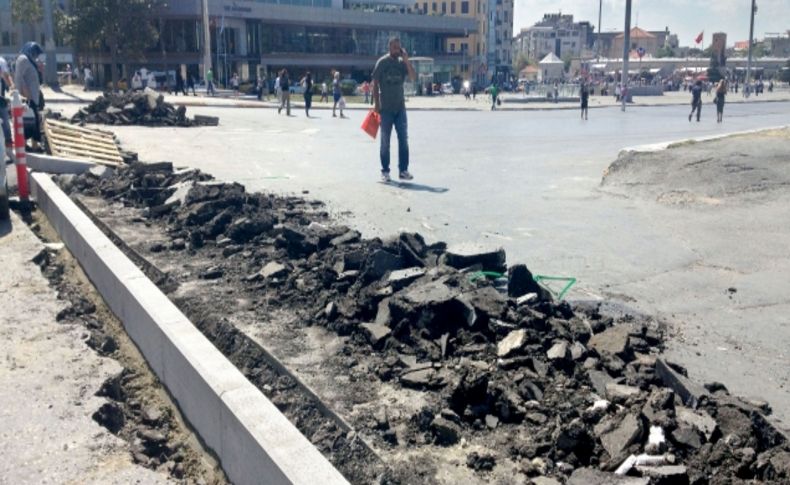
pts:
[26, 11]
[759, 50]
[120, 27]
[520, 62]
[665, 51]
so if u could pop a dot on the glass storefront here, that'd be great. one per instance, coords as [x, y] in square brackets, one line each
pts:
[292, 39]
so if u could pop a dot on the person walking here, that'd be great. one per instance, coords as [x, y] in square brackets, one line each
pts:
[210, 83]
[191, 84]
[366, 91]
[696, 100]
[87, 78]
[307, 83]
[324, 97]
[337, 94]
[234, 84]
[27, 78]
[721, 91]
[388, 100]
[556, 92]
[584, 94]
[278, 93]
[285, 87]
[494, 94]
[180, 83]
[137, 81]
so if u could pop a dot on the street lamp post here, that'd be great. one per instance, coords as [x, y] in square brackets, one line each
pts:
[51, 68]
[206, 40]
[598, 50]
[626, 53]
[746, 86]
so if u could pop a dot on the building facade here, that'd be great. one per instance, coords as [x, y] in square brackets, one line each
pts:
[13, 36]
[486, 50]
[557, 34]
[255, 37]
[651, 41]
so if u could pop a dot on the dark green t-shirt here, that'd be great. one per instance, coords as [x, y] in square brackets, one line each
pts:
[390, 73]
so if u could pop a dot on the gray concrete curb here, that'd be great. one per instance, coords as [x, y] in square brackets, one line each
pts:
[657, 147]
[254, 442]
[48, 163]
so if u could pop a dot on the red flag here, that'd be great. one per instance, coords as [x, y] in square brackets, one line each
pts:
[698, 40]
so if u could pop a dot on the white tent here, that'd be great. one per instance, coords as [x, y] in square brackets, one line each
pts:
[551, 68]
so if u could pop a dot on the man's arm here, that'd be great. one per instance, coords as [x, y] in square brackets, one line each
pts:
[375, 93]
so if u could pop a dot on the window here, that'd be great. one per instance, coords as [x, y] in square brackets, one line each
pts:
[444, 7]
[434, 6]
[505, 15]
[452, 46]
[464, 47]
[464, 7]
[452, 7]
[425, 7]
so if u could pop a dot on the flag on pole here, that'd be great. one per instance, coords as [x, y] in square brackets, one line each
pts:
[698, 40]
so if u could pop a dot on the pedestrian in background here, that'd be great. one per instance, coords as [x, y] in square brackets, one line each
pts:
[584, 94]
[389, 101]
[191, 84]
[366, 91]
[307, 84]
[234, 84]
[324, 97]
[87, 78]
[494, 93]
[721, 92]
[285, 87]
[696, 100]
[337, 93]
[556, 92]
[180, 83]
[278, 92]
[210, 83]
[137, 81]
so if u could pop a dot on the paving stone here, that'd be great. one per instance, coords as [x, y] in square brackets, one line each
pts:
[511, 343]
[690, 392]
[591, 476]
[624, 434]
[376, 333]
[404, 277]
[464, 255]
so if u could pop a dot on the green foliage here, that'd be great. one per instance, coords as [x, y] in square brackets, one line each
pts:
[120, 27]
[759, 50]
[665, 51]
[520, 62]
[26, 11]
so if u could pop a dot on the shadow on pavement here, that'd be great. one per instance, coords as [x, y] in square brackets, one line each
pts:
[417, 187]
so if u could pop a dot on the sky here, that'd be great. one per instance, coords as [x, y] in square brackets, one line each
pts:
[687, 18]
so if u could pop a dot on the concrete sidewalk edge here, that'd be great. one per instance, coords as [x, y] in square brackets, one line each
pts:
[249, 435]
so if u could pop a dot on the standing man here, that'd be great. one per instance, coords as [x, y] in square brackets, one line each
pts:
[285, 87]
[584, 94]
[721, 92]
[210, 83]
[27, 78]
[696, 100]
[388, 100]
[337, 93]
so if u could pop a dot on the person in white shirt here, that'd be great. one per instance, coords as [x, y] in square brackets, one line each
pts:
[151, 80]
[87, 77]
[137, 81]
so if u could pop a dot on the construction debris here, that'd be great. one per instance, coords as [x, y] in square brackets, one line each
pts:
[147, 108]
[561, 392]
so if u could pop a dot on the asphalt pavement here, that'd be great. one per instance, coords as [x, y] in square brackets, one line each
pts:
[530, 182]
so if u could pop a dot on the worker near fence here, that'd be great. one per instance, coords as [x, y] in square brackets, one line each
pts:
[27, 78]
[6, 85]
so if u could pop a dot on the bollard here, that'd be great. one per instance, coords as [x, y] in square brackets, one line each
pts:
[17, 112]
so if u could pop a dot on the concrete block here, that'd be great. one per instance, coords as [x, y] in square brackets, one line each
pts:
[52, 164]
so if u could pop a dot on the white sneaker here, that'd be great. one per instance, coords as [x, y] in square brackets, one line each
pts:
[405, 175]
[385, 176]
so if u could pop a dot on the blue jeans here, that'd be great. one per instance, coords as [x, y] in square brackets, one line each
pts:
[4, 117]
[398, 119]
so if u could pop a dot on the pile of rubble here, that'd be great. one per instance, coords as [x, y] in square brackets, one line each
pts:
[580, 392]
[147, 108]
